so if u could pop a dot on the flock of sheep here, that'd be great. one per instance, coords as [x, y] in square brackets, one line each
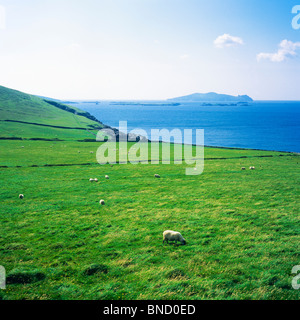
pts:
[96, 180]
[102, 202]
[168, 235]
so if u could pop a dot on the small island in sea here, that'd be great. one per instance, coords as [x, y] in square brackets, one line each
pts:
[212, 98]
[204, 99]
[120, 103]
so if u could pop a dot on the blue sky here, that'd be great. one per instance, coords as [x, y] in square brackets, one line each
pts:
[150, 49]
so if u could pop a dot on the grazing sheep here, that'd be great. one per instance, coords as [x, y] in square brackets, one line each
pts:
[91, 151]
[157, 176]
[102, 202]
[170, 235]
[106, 177]
[252, 168]
[243, 168]
[21, 196]
[96, 180]
[92, 180]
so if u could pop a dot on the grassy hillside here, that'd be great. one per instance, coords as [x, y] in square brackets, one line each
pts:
[242, 227]
[29, 114]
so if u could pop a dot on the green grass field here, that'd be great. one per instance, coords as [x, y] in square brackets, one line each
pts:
[242, 227]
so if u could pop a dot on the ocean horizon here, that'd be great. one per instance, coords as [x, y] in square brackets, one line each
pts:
[262, 125]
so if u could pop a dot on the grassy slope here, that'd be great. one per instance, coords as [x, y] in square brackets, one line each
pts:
[242, 227]
[18, 106]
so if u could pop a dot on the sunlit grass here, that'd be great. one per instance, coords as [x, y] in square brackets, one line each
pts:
[241, 227]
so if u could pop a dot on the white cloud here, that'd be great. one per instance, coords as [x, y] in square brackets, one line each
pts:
[226, 40]
[286, 49]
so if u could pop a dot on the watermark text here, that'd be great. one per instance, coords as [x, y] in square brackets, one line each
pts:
[296, 19]
[296, 280]
[2, 278]
[164, 146]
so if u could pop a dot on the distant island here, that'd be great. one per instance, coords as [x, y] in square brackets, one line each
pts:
[212, 97]
[145, 104]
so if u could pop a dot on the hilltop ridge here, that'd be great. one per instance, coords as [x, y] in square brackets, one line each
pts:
[25, 116]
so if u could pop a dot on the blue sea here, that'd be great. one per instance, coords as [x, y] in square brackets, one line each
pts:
[265, 125]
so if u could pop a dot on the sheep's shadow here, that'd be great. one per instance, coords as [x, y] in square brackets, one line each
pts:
[174, 244]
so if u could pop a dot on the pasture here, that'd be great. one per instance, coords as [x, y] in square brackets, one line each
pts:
[241, 227]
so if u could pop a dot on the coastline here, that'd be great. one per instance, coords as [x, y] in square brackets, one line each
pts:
[261, 126]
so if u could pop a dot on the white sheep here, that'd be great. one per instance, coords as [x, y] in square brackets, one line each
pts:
[252, 168]
[106, 177]
[91, 151]
[102, 202]
[92, 180]
[21, 196]
[96, 180]
[157, 176]
[170, 235]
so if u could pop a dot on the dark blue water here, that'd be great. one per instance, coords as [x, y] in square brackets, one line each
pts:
[266, 125]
